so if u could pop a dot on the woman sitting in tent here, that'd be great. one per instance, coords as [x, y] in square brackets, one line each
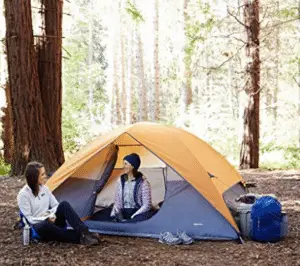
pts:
[133, 196]
[45, 215]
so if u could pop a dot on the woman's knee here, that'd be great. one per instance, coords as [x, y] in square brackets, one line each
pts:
[64, 204]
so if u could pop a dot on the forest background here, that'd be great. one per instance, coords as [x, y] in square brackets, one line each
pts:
[179, 62]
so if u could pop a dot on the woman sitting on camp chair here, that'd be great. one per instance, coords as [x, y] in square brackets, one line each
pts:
[133, 196]
[45, 215]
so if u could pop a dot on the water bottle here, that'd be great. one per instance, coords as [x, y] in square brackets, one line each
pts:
[26, 234]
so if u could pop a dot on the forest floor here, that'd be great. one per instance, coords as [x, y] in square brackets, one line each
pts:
[142, 251]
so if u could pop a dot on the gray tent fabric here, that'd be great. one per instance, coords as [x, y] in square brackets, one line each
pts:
[82, 193]
[185, 210]
[231, 194]
[79, 193]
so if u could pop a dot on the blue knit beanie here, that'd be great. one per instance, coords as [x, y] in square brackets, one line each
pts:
[133, 159]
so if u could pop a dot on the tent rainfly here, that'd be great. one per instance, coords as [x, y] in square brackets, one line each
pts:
[190, 182]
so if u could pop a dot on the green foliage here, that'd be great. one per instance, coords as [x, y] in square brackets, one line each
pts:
[80, 77]
[292, 155]
[289, 12]
[4, 168]
[279, 157]
[135, 14]
[197, 31]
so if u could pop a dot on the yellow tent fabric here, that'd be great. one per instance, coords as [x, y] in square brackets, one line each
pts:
[189, 156]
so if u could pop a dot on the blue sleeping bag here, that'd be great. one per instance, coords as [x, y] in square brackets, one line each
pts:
[266, 219]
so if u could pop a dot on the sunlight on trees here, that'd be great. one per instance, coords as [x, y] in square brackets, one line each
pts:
[177, 62]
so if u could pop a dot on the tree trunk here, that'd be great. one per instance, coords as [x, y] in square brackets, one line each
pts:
[231, 89]
[124, 94]
[132, 118]
[50, 75]
[143, 110]
[188, 95]
[7, 128]
[249, 156]
[116, 89]
[277, 73]
[89, 65]
[29, 129]
[269, 98]
[2, 65]
[208, 86]
[156, 63]
[299, 83]
[113, 94]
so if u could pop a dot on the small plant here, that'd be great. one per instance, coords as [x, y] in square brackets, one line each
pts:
[4, 167]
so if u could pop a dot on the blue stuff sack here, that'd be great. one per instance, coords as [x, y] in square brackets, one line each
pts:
[266, 219]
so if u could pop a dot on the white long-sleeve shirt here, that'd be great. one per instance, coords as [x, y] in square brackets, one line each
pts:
[32, 207]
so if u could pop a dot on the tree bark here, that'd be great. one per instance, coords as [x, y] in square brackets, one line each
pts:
[49, 51]
[143, 110]
[124, 94]
[89, 65]
[249, 156]
[299, 83]
[132, 118]
[7, 128]
[29, 128]
[187, 83]
[156, 63]
[116, 89]
[277, 73]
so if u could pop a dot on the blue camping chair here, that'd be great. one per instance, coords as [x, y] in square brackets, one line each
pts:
[33, 233]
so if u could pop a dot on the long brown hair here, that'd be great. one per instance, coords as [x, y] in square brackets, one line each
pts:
[32, 173]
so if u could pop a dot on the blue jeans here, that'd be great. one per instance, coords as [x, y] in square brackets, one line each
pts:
[49, 231]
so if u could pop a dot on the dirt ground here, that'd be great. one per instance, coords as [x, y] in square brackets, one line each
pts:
[142, 251]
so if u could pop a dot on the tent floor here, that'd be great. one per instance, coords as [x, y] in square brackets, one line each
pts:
[102, 223]
[104, 215]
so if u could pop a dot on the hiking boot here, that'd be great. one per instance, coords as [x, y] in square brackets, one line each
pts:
[95, 236]
[185, 239]
[169, 238]
[87, 239]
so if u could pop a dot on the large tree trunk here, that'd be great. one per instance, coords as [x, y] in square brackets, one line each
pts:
[249, 156]
[50, 75]
[29, 129]
[156, 63]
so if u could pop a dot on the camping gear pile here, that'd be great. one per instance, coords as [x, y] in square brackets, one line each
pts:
[260, 217]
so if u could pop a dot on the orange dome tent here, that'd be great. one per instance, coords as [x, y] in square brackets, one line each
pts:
[188, 177]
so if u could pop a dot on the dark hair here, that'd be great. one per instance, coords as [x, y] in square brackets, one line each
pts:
[32, 173]
[136, 173]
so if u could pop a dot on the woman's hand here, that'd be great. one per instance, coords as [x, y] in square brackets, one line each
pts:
[52, 218]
